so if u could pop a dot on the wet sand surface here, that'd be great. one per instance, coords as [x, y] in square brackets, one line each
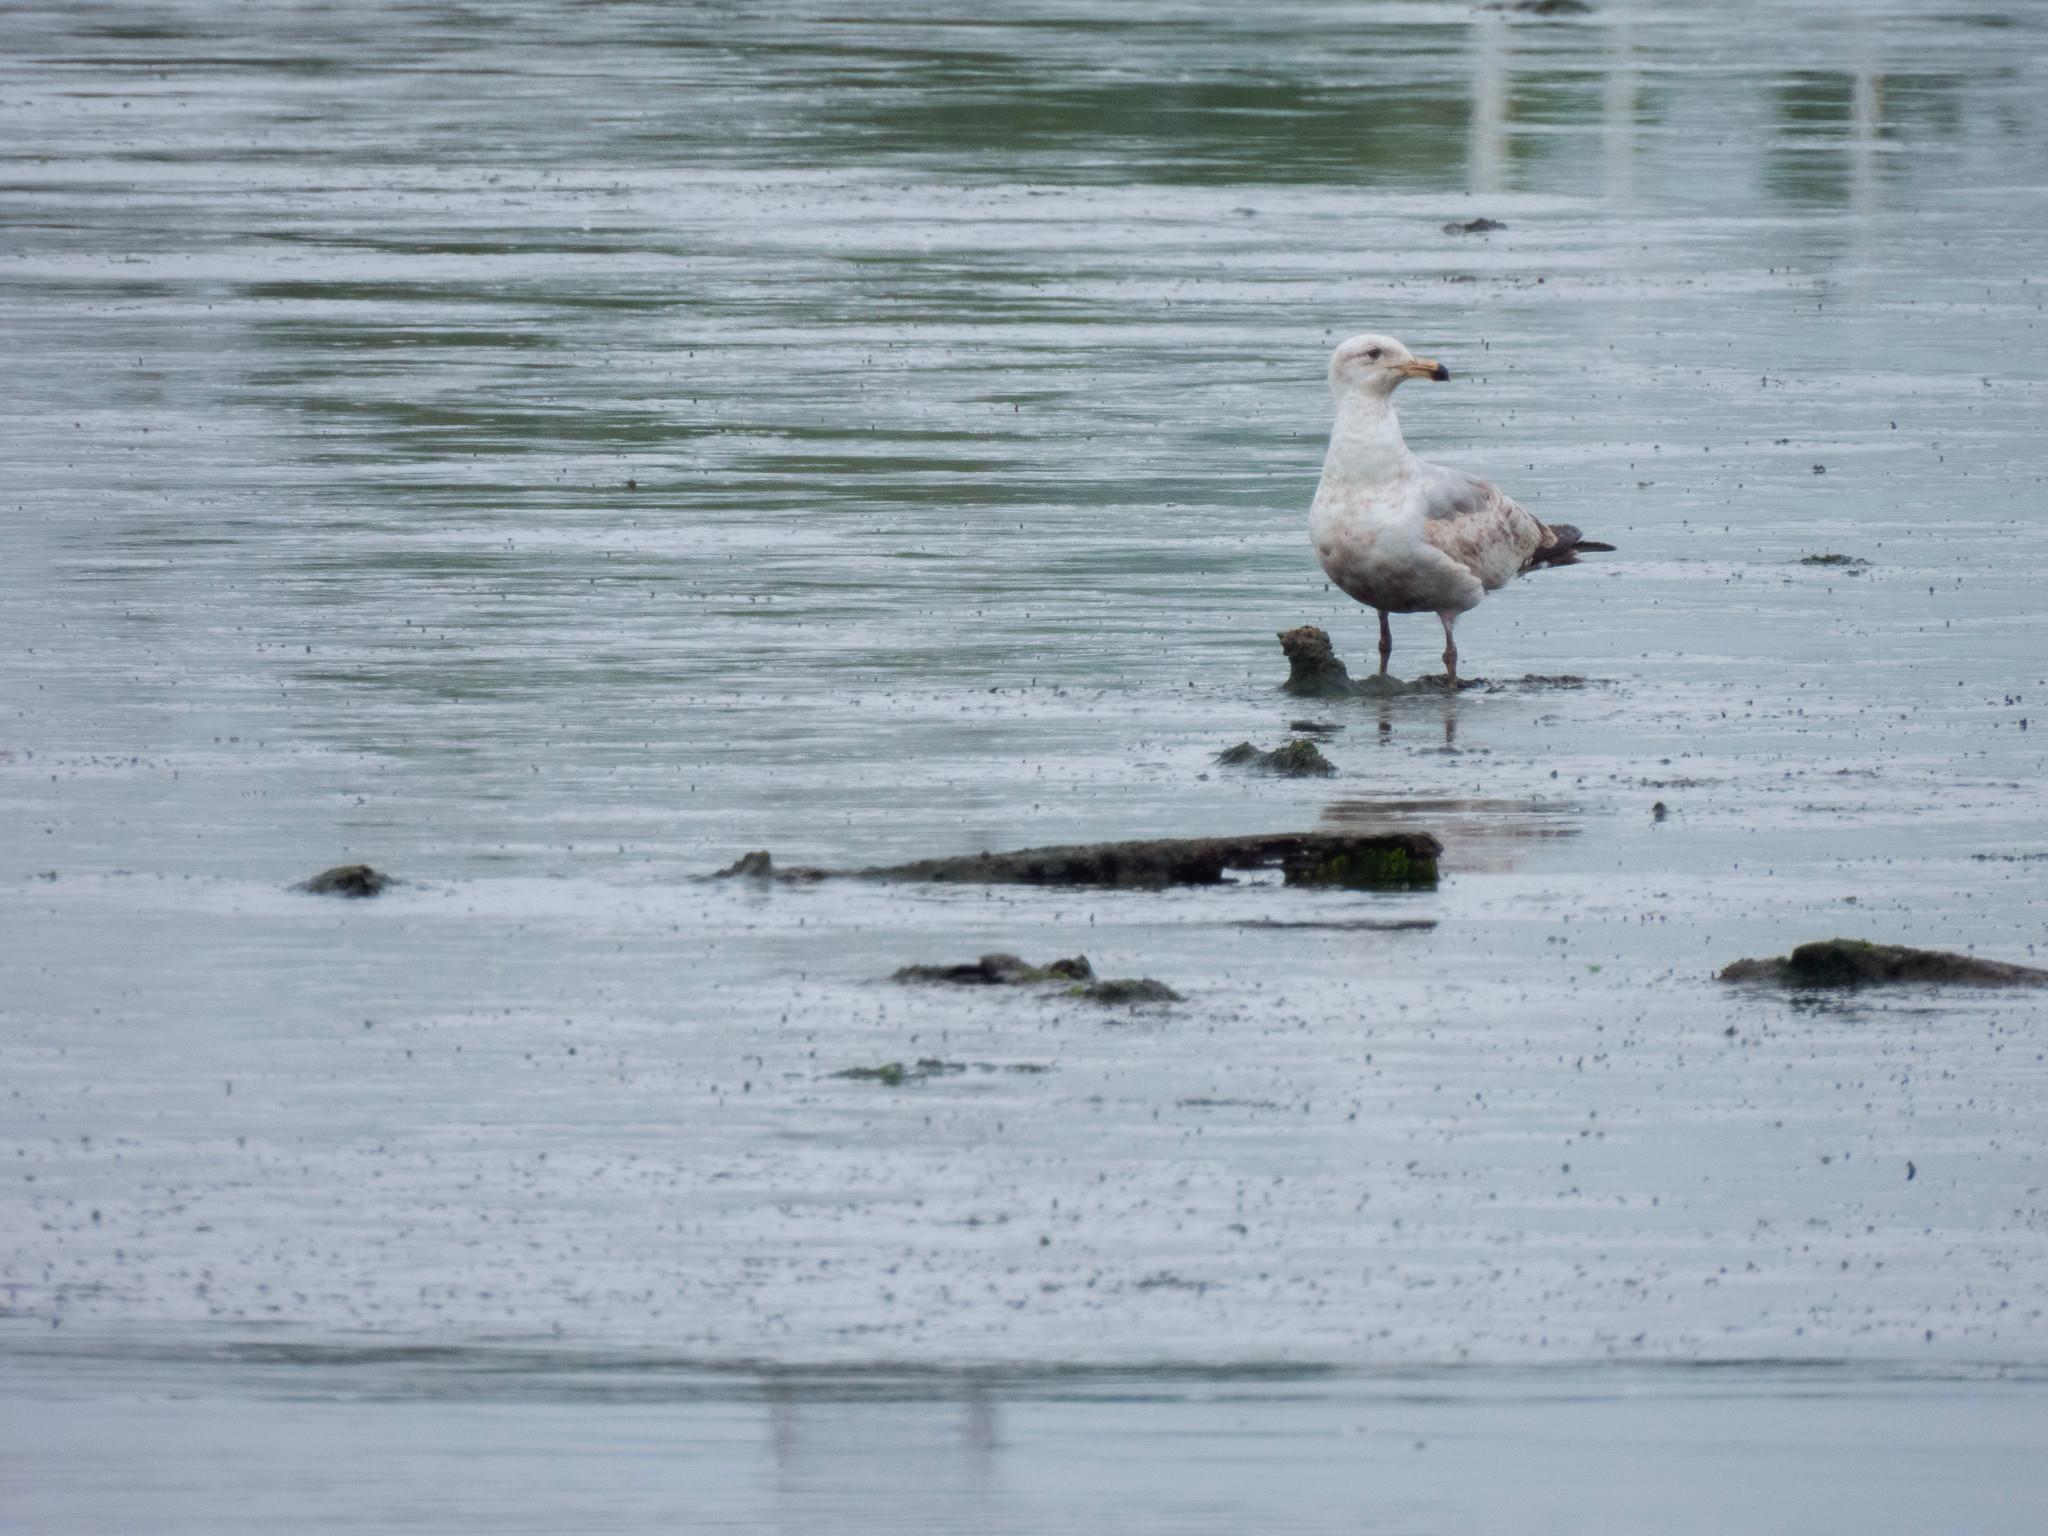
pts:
[548, 455]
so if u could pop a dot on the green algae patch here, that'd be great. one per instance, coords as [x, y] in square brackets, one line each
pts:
[890, 1074]
[1369, 869]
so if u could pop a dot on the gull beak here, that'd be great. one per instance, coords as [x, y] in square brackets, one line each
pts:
[1425, 368]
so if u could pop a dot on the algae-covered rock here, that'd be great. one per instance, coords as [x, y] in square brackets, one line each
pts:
[1298, 759]
[1850, 563]
[1858, 963]
[1473, 227]
[353, 880]
[1313, 670]
[999, 970]
[1129, 989]
[758, 865]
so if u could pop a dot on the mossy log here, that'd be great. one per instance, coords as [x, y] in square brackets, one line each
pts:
[1365, 861]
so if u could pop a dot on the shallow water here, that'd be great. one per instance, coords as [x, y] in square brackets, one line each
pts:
[549, 453]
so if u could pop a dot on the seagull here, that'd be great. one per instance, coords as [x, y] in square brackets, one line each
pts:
[1405, 536]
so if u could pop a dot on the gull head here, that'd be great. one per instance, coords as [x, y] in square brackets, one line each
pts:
[1376, 365]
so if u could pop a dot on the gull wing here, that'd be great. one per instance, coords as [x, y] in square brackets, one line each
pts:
[1478, 525]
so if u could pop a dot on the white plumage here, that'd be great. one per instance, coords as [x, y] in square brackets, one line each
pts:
[1405, 536]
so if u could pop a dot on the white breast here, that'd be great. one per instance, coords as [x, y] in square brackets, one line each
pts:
[1371, 545]
[1367, 524]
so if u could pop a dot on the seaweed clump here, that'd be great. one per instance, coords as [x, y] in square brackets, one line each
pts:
[1859, 963]
[893, 1074]
[1298, 759]
[352, 880]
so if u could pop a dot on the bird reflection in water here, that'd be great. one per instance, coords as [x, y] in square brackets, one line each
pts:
[1386, 721]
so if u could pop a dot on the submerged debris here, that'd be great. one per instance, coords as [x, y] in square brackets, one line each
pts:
[757, 866]
[1473, 227]
[999, 970]
[1297, 759]
[347, 880]
[1362, 860]
[1535, 682]
[893, 1074]
[1858, 963]
[1849, 563]
[1166, 1280]
[889, 1074]
[1347, 924]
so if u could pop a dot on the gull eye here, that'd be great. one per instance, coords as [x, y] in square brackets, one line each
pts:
[1373, 353]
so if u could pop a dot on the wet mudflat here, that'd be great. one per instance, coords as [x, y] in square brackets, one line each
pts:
[544, 455]
[480, 1439]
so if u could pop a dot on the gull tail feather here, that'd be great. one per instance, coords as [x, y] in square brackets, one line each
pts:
[1562, 545]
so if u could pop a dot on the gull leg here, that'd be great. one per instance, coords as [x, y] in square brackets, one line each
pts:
[1386, 642]
[1450, 652]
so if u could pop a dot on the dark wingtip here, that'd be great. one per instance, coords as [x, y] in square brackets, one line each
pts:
[1565, 546]
[1441, 374]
